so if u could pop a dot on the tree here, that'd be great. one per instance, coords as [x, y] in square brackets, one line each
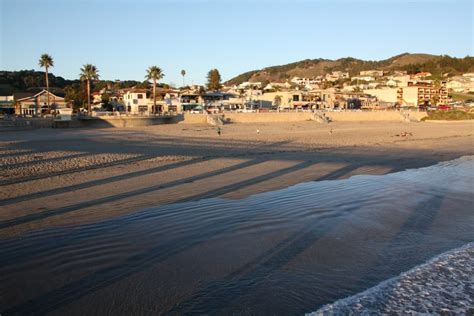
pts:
[46, 61]
[213, 80]
[277, 100]
[434, 99]
[88, 73]
[75, 94]
[106, 104]
[242, 94]
[154, 73]
[183, 73]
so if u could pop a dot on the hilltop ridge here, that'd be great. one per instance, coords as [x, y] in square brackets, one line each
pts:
[412, 63]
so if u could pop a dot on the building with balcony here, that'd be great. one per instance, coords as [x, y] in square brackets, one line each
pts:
[419, 95]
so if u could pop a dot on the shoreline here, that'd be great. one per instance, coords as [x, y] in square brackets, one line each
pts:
[427, 284]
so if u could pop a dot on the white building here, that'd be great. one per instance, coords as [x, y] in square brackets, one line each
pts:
[461, 84]
[384, 94]
[277, 85]
[391, 83]
[247, 85]
[304, 81]
[363, 78]
[136, 102]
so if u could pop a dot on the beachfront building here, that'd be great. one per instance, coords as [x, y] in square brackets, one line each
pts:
[169, 100]
[216, 97]
[7, 104]
[136, 102]
[190, 100]
[28, 103]
[385, 95]
[423, 94]
[291, 100]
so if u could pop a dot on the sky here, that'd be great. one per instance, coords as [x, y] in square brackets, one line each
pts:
[123, 38]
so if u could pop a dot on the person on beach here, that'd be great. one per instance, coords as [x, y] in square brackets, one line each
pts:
[219, 130]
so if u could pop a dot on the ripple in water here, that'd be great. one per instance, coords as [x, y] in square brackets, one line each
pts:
[283, 252]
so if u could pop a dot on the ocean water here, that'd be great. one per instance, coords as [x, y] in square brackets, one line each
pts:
[444, 285]
[290, 251]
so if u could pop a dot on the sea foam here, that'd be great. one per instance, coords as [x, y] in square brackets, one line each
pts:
[444, 285]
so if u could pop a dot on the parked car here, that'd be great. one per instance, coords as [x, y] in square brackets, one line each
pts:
[212, 110]
[443, 108]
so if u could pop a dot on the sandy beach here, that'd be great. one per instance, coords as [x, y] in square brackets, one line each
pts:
[57, 177]
[175, 219]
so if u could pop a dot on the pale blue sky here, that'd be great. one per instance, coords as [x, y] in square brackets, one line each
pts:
[123, 38]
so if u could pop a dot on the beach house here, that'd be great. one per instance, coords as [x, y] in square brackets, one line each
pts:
[30, 103]
[136, 102]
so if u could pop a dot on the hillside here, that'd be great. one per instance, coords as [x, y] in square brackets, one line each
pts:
[31, 80]
[437, 65]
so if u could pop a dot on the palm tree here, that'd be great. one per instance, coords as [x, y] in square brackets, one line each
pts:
[277, 100]
[242, 95]
[154, 73]
[88, 73]
[183, 73]
[46, 61]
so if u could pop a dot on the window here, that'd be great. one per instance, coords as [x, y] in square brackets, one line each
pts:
[140, 96]
[296, 97]
[135, 101]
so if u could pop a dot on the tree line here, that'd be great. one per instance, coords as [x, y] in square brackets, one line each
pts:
[79, 91]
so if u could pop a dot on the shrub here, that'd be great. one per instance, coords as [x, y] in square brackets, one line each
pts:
[449, 115]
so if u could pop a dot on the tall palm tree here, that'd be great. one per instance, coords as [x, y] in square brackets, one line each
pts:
[46, 61]
[154, 73]
[183, 73]
[88, 73]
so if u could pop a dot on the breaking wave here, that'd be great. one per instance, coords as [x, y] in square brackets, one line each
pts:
[444, 285]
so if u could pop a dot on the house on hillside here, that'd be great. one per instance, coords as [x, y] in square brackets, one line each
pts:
[391, 83]
[421, 75]
[28, 103]
[371, 73]
[277, 86]
[461, 84]
[363, 78]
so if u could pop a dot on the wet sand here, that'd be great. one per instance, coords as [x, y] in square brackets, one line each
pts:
[55, 177]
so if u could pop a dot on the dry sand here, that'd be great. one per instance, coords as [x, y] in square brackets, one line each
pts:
[54, 177]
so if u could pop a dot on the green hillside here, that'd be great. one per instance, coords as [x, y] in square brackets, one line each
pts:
[437, 65]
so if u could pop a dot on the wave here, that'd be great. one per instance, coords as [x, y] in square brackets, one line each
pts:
[444, 285]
